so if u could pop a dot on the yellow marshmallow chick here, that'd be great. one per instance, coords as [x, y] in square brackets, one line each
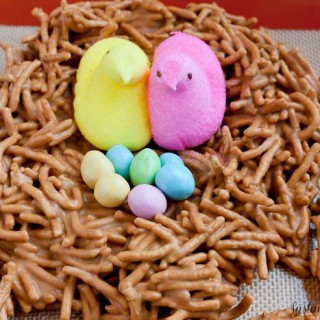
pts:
[110, 95]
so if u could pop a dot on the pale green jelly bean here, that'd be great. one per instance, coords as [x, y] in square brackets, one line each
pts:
[93, 165]
[144, 167]
[111, 190]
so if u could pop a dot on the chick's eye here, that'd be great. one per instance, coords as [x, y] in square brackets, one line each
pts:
[158, 74]
[190, 75]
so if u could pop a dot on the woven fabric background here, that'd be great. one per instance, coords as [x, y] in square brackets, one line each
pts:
[283, 289]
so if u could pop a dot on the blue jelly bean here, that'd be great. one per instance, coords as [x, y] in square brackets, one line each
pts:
[121, 158]
[169, 157]
[175, 181]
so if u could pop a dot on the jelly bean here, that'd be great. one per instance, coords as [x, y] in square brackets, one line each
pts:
[145, 201]
[93, 165]
[144, 167]
[175, 181]
[111, 190]
[170, 157]
[121, 158]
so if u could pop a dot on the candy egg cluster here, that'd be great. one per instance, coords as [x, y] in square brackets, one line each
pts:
[109, 175]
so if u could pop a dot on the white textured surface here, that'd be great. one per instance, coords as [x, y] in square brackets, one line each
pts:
[14, 35]
[282, 289]
[307, 42]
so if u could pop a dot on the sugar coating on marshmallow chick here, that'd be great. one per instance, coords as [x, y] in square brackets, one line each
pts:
[186, 93]
[111, 95]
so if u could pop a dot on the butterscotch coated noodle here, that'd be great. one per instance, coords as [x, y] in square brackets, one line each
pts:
[255, 178]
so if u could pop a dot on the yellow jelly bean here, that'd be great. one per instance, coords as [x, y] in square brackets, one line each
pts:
[94, 164]
[111, 190]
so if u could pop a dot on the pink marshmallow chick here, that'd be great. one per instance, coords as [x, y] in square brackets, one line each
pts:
[186, 93]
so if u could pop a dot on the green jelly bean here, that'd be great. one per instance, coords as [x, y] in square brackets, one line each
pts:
[144, 167]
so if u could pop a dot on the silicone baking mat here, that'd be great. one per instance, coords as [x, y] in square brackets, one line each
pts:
[283, 289]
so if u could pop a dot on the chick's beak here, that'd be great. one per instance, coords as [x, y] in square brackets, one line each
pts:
[171, 75]
[126, 77]
[172, 83]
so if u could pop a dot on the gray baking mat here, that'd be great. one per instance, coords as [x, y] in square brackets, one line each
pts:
[45, 315]
[283, 289]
